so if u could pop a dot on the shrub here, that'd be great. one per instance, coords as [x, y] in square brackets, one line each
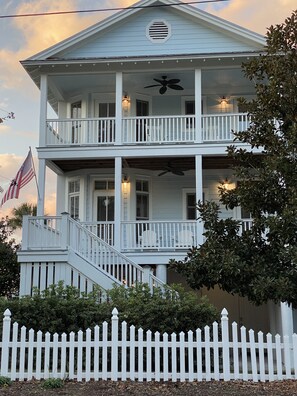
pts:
[52, 383]
[62, 309]
[5, 381]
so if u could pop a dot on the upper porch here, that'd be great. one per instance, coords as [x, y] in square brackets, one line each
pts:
[143, 107]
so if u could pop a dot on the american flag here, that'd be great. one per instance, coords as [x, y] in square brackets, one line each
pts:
[24, 175]
[1, 190]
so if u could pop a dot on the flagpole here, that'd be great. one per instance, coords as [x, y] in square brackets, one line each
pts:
[35, 173]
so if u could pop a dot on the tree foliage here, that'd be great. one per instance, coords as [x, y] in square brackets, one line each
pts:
[62, 309]
[260, 263]
[16, 220]
[9, 267]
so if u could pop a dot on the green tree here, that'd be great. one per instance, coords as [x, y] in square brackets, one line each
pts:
[9, 267]
[16, 220]
[260, 263]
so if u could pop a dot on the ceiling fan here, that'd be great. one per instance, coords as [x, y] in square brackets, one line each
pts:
[169, 168]
[164, 84]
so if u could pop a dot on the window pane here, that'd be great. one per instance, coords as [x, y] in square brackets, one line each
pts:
[100, 185]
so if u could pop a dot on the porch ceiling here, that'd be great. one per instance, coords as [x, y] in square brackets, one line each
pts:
[149, 163]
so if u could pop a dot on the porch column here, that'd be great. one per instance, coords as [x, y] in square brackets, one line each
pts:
[199, 195]
[119, 112]
[161, 272]
[43, 110]
[198, 109]
[41, 187]
[117, 202]
[286, 314]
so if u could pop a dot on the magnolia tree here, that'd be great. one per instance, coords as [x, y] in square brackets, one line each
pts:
[260, 263]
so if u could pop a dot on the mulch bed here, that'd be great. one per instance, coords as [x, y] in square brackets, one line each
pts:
[92, 388]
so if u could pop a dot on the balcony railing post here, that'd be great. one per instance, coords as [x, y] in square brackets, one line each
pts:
[64, 231]
[25, 232]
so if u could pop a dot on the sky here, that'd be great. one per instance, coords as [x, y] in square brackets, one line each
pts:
[23, 37]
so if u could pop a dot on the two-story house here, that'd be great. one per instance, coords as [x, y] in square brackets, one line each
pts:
[145, 103]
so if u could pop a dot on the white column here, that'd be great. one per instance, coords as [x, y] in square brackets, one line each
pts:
[41, 187]
[117, 202]
[198, 109]
[43, 110]
[161, 272]
[119, 111]
[286, 314]
[199, 195]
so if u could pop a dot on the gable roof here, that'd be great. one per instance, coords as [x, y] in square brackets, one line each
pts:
[256, 40]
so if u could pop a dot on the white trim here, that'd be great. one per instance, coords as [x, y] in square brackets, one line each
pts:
[218, 23]
[185, 191]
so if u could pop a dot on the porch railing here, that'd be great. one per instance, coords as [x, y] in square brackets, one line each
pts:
[83, 131]
[62, 232]
[163, 129]
[104, 230]
[220, 127]
[144, 130]
[158, 235]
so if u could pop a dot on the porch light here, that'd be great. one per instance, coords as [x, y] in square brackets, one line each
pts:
[223, 100]
[125, 179]
[125, 101]
[227, 184]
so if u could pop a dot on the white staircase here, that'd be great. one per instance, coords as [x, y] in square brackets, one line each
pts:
[90, 258]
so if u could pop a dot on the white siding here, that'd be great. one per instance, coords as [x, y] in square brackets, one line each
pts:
[129, 39]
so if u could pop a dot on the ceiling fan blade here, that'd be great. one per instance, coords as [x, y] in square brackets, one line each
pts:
[162, 90]
[160, 81]
[173, 81]
[177, 172]
[174, 86]
[163, 173]
[154, 85]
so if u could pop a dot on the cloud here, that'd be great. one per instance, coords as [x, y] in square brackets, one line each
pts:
[254, 14]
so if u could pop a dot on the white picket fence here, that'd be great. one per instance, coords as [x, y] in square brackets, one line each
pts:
[117, 353]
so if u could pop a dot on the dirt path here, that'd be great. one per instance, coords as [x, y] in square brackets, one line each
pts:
[106, 388]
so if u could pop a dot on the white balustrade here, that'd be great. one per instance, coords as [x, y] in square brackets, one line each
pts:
[158, 235]
[163, 129]
[144, 130]
[220, 127]
[104, 230]
[83, 131]
[44, 232]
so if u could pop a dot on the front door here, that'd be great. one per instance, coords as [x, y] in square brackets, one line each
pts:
[142, 110]
[104, 210]
[76, 124]
[106, 129]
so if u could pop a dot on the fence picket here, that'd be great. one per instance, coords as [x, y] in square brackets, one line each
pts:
[261, 356]
[216, 369]
[235, 351]
[253, 356]
[71, 355]
[157, 356]
[22, 353]
[294, 339]
[270, 357]
[30, 354]
[104, 350]
[106, 355]
[191, 356]
[173, 357]
[199, 355]
[14, 349]
[148, 355]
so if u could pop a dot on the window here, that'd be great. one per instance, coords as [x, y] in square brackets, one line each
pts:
[104, 185]
[76, 125]
[73, 201]
[142, 200]
[191, 206]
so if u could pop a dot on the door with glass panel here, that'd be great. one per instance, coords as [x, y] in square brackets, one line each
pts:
[76, 123]
[142, 110]
[104, 210]
[106, 127]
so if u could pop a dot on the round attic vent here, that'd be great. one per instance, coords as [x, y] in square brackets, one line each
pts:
[158, 31]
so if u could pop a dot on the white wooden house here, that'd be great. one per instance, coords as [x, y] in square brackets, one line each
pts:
[145, 103]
